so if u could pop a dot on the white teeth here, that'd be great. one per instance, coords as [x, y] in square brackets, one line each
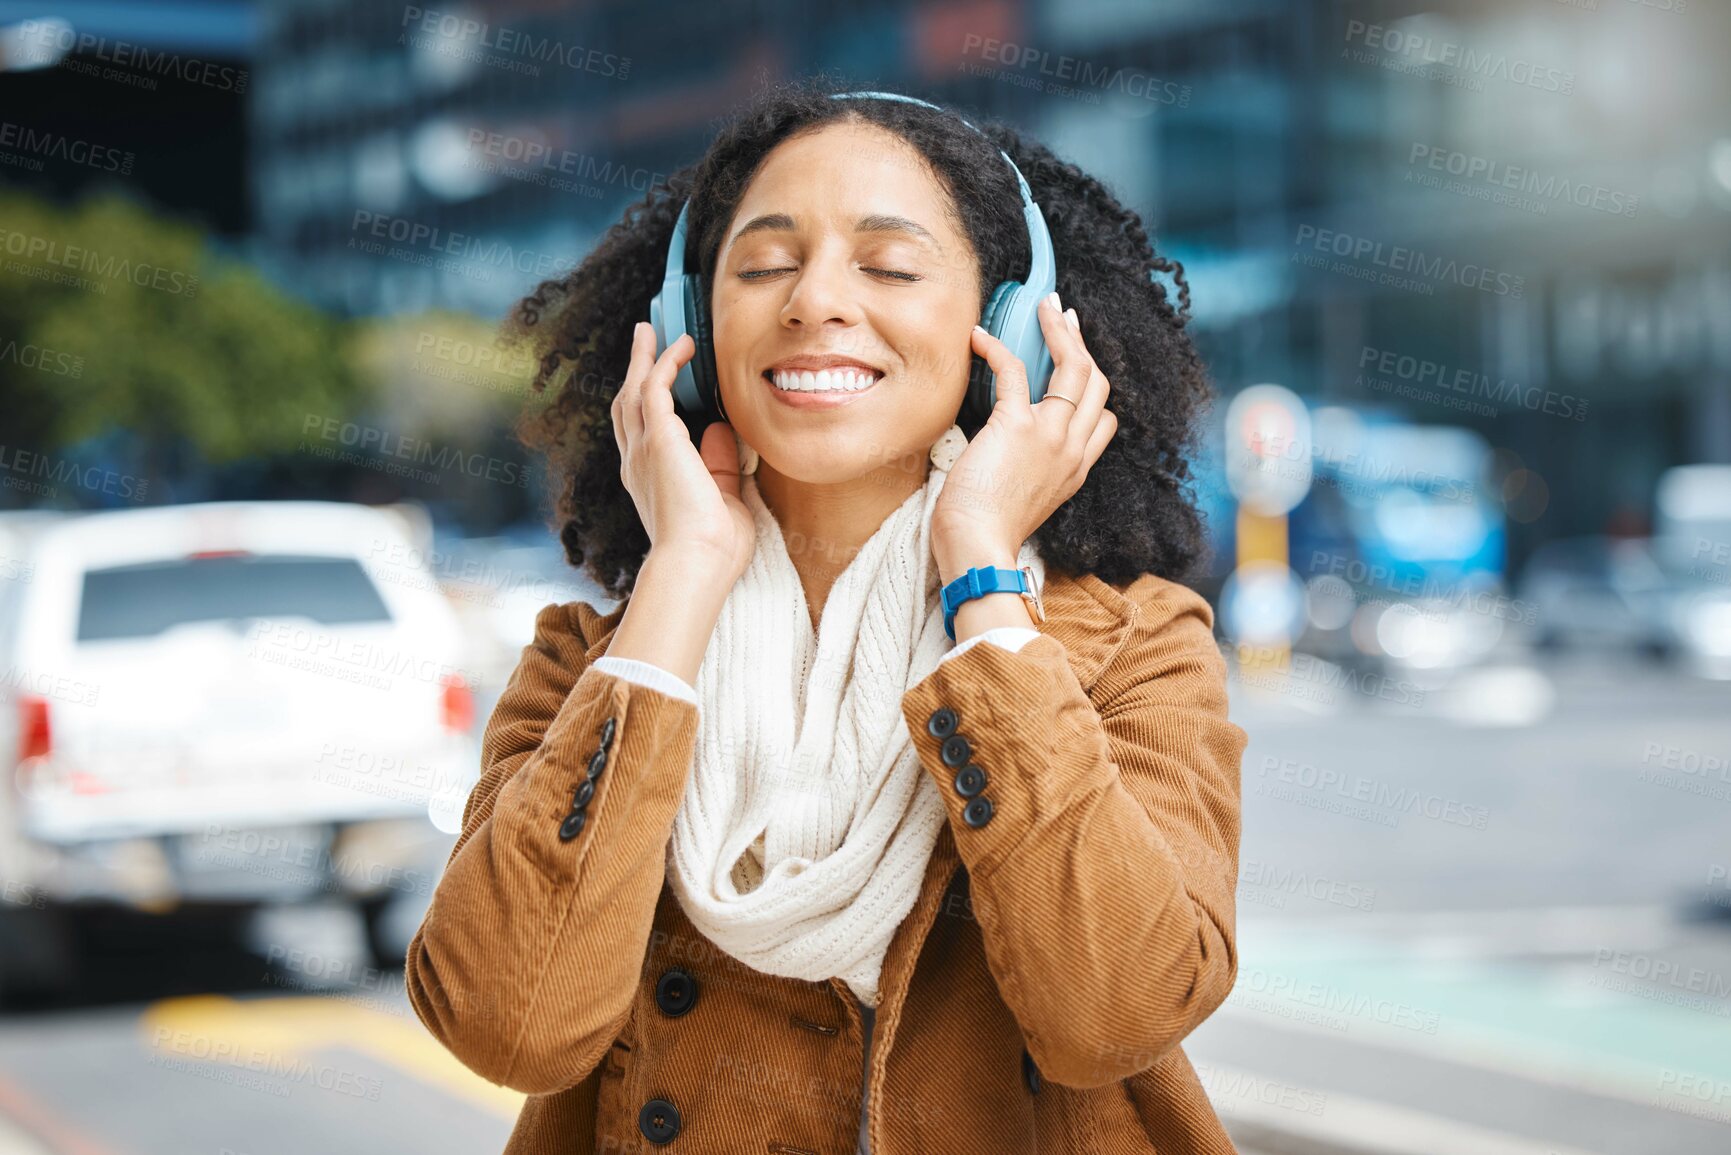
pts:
[824, 381]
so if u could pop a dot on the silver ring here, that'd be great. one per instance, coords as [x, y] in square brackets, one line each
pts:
[1056, 397]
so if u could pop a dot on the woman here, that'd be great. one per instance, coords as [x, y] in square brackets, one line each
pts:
[791, 851]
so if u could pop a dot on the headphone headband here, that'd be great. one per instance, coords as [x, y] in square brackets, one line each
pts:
[1011, 314]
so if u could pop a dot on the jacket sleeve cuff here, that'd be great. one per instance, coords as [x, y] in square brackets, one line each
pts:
[649, 727]
[1027, 730]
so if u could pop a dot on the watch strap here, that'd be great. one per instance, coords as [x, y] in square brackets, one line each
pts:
[978, 582]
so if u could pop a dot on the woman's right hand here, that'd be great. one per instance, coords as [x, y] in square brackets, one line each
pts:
[684, 497]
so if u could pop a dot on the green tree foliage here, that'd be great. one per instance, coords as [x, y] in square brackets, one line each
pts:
[443, 375]
[115, 317]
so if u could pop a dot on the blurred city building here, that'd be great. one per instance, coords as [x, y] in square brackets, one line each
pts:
[1379, 206]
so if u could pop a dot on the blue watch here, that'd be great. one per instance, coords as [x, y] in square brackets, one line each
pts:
[990, 579]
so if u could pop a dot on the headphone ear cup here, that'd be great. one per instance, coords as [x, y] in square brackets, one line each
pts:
[702, 362]
[982, 393]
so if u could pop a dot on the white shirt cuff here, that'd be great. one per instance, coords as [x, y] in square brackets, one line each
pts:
[648, 674]
[1011, 638]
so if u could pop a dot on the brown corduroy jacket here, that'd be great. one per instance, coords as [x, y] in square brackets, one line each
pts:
[1032, 1001]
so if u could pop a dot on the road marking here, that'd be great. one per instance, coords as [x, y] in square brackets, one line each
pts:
[1351, 1125]
[28, 1128]
[288, 1026]
[1481, 1014]
[1480, 1051]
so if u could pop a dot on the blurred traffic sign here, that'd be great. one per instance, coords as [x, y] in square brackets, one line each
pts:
[1268, 449]
[1268, 445]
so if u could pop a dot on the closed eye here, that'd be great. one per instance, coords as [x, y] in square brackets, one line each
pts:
[755, 274]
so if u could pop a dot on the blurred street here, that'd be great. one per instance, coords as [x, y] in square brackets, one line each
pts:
[286, 480]
[1567, 988]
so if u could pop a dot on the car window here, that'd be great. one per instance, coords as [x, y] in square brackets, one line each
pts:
[140, 601]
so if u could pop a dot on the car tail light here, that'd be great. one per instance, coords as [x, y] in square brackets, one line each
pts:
[458, 704]
[35, 738]
[84, 782]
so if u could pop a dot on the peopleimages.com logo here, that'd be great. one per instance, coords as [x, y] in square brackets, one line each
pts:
[1372, 259]
[1424, 55]
[1422, 371]
[1512, 184]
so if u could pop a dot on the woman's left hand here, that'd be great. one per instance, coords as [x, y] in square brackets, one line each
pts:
[1029, 458]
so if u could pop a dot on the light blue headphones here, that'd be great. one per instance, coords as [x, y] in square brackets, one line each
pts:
[1011, 313]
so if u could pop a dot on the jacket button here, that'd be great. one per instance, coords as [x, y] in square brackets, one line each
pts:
[585, 791]
[970, 780]
[1030, 1073]
[659, 1121]
[942, 723]
[955, 750]
[597, 763]
[676, 993]
[572, 826]
[978, 812]
[607, 729]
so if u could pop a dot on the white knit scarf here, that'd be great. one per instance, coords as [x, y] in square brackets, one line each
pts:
[807, 820]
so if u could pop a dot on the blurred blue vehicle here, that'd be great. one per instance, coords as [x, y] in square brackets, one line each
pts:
[1400, 545]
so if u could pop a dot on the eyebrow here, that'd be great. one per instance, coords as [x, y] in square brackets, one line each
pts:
[871, 223]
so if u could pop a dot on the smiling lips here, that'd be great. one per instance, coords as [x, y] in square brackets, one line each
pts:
[832, 379]
[845, 380]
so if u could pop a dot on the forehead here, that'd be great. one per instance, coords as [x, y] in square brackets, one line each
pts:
[833, 176]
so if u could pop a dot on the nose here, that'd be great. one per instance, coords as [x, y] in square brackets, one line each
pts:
[821, 294]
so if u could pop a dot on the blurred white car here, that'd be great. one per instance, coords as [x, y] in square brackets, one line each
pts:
[1692, 539]
[499, 584]
[235, 702]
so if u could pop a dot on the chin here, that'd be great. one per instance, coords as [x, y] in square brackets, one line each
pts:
[808, 469]
[838, 456]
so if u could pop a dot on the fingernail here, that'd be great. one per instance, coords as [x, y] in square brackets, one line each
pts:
[1070, 316]
[1053, 298]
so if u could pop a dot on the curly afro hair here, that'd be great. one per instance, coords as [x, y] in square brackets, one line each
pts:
[1132, 514]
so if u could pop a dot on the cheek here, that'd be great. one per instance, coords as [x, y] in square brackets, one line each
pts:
[932, 339]
[733, 321]
[941, 356]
